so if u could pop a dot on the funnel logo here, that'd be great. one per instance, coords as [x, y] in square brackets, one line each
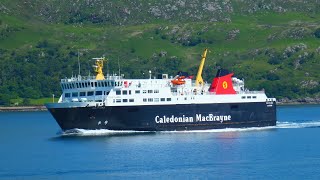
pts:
[225, 85]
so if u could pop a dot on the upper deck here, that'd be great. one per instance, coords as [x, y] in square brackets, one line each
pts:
[115, 90]
[118, 90]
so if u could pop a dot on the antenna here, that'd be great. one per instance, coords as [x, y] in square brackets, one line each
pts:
[119, 66]
[79, 60]
[108, 68]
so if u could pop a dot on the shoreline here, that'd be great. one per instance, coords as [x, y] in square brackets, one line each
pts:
[22, 108]
[43, 108]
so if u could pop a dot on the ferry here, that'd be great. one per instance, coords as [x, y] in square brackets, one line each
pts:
[165, 103]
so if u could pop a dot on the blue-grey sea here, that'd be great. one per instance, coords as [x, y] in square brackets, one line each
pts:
[33, 147]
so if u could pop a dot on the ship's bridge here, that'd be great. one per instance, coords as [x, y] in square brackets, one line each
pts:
[88, 88]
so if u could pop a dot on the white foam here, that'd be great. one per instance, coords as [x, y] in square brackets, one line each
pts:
[97, 132]
[308, 124]
[102, 132]
[223, 130]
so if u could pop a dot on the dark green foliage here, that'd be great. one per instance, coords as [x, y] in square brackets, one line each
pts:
[272, 77]
[274, 60]
[280, 89]
[193, 41]
[270, 50]
[42, 44]
[317, 33]
[4, 99]
[164, 37]
[26, 102]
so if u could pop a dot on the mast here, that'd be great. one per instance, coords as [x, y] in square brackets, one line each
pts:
[199, 80]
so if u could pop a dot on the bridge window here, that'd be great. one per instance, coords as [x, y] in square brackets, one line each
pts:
[98, 92]
[75, 94]
[67, 95]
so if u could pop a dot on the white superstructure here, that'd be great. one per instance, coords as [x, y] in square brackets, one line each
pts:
[117, 91]
[114, 90]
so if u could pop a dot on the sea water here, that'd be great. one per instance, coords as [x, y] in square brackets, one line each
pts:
[33, 147]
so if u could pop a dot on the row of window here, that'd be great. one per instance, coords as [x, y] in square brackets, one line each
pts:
[128, 92]
[123, 100]
[144, 100]
[90, 84]
[156, 99]
[248, 97]
[98, 93]
[89, 93]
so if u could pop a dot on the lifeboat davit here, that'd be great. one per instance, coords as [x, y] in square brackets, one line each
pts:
[179, 81]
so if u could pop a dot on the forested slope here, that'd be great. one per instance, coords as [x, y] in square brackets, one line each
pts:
[272, 44]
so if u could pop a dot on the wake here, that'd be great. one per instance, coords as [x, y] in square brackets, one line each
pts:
[104, 132]
[309, 124]
[98, 132]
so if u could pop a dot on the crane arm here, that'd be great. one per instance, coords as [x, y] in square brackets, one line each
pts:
[199, 80]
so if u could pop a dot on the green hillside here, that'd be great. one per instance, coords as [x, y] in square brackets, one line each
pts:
[273, 45]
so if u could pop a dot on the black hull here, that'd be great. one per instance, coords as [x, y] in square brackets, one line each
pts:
[168, 117]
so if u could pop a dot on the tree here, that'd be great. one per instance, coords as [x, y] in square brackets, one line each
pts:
[26, 102]
[317, 33]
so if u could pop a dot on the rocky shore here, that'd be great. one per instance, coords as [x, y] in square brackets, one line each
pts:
[306, 100]
[23, 108]
[284, 101]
